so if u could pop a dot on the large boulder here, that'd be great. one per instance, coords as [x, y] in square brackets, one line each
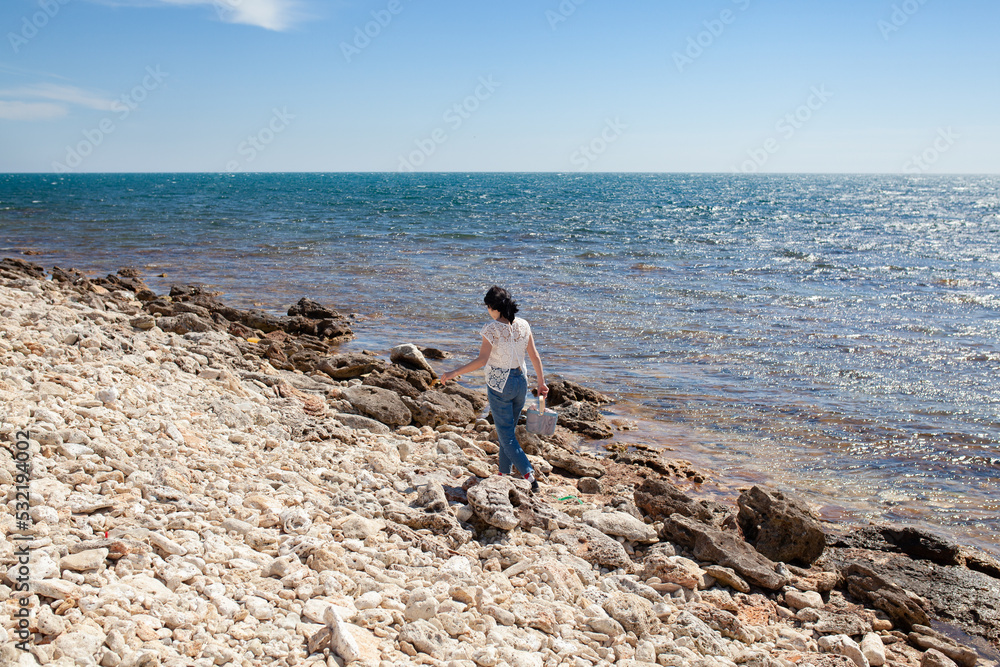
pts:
[475, 398]
[914, 588]
[380, 404]
[585, 419]
[660, 499]
[594, 547]
[184, 323]
[434, 408]
[560, 457]
[565, 391]
[903, 607]
[633, 612]
[313, 310]
[779, 526]
[724, 548]
[493, 501]
[620, 524]
[409, 356]
[403, 381]
[350, 365]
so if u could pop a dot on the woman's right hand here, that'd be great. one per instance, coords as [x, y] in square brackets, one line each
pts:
[543, 389]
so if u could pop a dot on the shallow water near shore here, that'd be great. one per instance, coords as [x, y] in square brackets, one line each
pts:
[834, 335]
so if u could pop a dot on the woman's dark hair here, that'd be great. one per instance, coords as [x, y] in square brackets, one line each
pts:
[498, 298]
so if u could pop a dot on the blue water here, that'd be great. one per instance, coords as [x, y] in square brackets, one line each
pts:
[835, 335]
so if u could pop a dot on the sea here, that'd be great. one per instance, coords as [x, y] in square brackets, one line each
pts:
[836, 336]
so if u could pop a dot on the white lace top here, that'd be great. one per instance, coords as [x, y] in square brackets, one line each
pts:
[509, 342]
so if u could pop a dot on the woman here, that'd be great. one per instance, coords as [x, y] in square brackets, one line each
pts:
[505, 340]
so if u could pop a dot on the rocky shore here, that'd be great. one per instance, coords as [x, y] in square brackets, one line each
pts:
[216, 486]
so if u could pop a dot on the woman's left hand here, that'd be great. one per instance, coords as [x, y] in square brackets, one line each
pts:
[543, 389]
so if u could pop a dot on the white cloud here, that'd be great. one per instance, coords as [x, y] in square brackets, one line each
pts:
[23, 103]
[278, 15]
[18, 110]
[60, 93]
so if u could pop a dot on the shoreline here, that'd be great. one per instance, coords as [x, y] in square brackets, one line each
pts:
[875, 474]
[183, 439]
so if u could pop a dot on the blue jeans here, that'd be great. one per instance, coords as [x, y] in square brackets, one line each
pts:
[506, 408]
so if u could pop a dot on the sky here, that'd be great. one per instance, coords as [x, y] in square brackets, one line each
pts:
[740, 86]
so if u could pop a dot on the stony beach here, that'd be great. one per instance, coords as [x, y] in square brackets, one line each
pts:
[215, 486]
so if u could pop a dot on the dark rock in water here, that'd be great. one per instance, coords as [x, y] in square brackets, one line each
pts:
[981, 562]
[128, 272]
[409, 356]
[925, 545]
[312, 309]
[903, 607]
[306, 318]
[916, 543]
[583, 418]
[190, 291]
[350, 365]
[71, 276]
[325, 328]
[924, 638]
[565, 391]
[660, 499]
[724, 548]
[377, 403]
[910, 540]
[22, 268]
[434, 353]
[964, 597]
[258, 319]
[435, 408]
[648, 459]
[780, 526]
